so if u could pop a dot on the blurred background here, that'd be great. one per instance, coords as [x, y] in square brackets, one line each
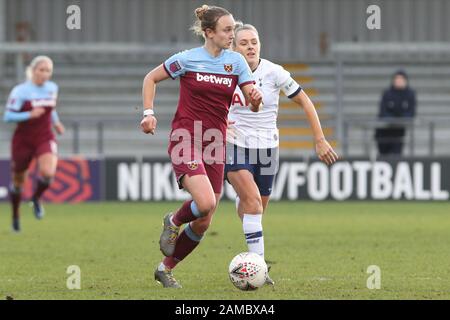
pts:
[328, 46]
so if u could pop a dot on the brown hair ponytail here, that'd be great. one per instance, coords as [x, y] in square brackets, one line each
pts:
[207, 18]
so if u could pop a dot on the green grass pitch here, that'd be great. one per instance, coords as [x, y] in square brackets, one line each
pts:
[318, 250]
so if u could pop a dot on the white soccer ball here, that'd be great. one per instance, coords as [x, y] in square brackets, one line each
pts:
[248, 271]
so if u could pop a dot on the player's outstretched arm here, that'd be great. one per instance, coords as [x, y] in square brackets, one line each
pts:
[11, 116]
[252, 94]
[323, 149]
[148, 124]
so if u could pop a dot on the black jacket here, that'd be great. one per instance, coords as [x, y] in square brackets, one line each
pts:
[396, 103]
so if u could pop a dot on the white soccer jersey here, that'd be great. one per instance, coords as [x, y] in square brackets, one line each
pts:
[258, 130]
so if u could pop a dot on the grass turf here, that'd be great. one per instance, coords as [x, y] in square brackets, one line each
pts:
[317, 251]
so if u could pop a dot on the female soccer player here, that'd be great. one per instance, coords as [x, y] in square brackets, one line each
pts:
[252, 149]
[31, 105]
[208, 76]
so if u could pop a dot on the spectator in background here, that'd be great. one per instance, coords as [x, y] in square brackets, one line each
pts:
[398, 101]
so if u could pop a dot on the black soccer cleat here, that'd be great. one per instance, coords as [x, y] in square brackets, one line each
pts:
[269, 280]
[37, 209]
[16, 225]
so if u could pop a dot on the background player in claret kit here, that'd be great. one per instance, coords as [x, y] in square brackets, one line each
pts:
[208, 77]
[255, 136]
[32, 106]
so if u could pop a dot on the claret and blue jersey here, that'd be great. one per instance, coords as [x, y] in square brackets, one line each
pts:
[207, 84]
[23, 98]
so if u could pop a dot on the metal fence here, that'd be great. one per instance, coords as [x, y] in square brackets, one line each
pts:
[346, 54]
[420, 138]
[343, 125]
[73, 49]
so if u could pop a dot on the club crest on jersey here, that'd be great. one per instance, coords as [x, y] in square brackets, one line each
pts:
[192, 164]
[174, 67]
[228, 68]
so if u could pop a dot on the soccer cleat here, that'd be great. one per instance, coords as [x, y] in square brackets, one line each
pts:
[16, 225]
[269, 280]
[169, 236]
[166, 279]
[38, 209]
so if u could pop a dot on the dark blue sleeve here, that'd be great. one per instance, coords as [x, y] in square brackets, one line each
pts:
[412, 105]
[383, 111]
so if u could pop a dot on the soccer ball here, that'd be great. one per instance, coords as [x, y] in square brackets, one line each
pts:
[248, 271]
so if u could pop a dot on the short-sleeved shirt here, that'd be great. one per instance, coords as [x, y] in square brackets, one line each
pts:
[259, 130]
[26, 96]
[207, 84]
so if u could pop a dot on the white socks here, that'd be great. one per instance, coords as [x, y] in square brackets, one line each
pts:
[253, 231]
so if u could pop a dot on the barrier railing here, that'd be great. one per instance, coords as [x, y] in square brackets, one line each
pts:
[363, 138]
[342, 52]
[358, 137]
[18, 49]
[350, 52]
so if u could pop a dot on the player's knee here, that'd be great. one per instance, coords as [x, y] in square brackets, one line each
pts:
[205, 206]
[47, 174]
